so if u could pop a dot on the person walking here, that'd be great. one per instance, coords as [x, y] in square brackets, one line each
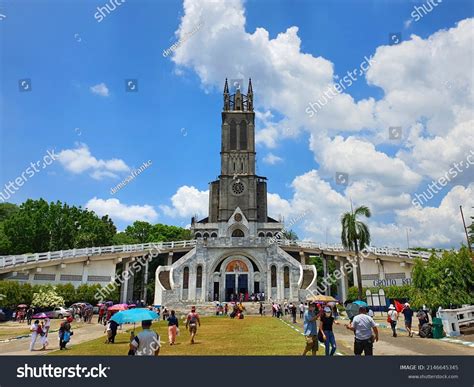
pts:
[301, 310]
[310, 330]
[363, 325]
[113, 331]
[65, 333]
[147, 342]
[173, 326]
[393, 319]
[45, 328]
[293, 312]
[192, 322]
[29, 315]
[35, 331]
[260, 309]
[325, 327]
[408, 314]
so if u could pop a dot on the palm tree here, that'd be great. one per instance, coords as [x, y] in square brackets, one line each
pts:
[355, 236]
[290, 235]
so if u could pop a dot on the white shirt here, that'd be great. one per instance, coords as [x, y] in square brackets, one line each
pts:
[148, 343]
[393, 315]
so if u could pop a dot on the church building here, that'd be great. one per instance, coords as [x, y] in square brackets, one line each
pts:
[236, 250]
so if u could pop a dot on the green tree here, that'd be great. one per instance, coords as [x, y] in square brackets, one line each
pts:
[139, 231]
[67, 292]
[122, 238]
[38, 226]
[444, 281]
[290, 235]
[355, 236]
[6, 210]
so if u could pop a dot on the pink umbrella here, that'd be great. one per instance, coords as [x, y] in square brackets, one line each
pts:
[119, 307]
[40, 315]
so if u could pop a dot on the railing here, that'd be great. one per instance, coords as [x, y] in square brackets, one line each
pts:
[13, 260]
[389, 251]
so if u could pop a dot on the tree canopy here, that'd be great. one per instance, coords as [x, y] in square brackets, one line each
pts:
[38, 226]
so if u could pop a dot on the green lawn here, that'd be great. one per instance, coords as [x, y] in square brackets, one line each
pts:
[253, 335]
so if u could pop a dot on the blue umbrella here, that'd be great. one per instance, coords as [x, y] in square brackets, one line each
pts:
[360, 303]
[134, 315]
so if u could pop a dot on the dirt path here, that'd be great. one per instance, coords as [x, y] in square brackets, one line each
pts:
[21, 346]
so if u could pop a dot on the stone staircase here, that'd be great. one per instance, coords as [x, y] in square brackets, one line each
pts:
[209, 308]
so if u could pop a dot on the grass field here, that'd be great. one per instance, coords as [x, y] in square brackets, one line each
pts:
[253, 335]
[12, 329]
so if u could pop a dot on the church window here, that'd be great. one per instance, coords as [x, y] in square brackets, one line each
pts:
[233, 135]
[214, 235]
[261, 234]
[274, 276]
[199, 277]
[186, 278]
[238, 233]
[198, 235]
[286, 277]
[243, 135]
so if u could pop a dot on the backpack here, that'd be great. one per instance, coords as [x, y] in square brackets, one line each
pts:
[193, 319]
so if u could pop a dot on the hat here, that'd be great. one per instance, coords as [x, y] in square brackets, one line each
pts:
[391, 307]
[327, 309]
[407, 305]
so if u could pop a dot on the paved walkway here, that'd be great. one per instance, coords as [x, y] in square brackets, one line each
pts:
[21, 346]
[402, 345]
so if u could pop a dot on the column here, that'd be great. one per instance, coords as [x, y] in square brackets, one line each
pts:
[325, 272]
[204, 282]
[192, 283]
[170, 258]
[268, 287]
[280, 285]
[303, 258]
[124, 287]
[85, 272]
[145, 281]
[342, 284]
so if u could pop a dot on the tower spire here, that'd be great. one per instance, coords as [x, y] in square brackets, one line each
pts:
[250, 96]
[226, 96]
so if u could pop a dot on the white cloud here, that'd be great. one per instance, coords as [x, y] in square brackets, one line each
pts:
[427, 90]
[80, 160]
[361, 160]
[272, 159]
[100, 89]
[187, 202]
[120, 211]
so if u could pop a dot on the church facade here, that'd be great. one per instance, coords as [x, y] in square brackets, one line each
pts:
[236, 250]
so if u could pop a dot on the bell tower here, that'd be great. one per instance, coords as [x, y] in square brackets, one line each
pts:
[238, 185]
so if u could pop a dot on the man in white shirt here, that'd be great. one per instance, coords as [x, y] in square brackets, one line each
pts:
[393, 316]
[147, 342]
[363, 325]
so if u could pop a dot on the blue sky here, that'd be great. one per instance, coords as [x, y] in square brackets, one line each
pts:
[174, 117]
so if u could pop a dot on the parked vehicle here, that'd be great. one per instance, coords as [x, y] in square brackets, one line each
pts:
[58, 312]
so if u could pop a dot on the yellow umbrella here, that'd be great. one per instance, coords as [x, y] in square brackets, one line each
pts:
[321, 298]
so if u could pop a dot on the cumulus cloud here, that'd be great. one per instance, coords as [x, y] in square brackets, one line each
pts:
[426, 90]
[187, 202]
[100, 89]
[80, 160]
[120, 211]
[272, 159]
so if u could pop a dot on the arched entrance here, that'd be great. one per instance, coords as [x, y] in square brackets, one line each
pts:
[234, 276]
[236, 280]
